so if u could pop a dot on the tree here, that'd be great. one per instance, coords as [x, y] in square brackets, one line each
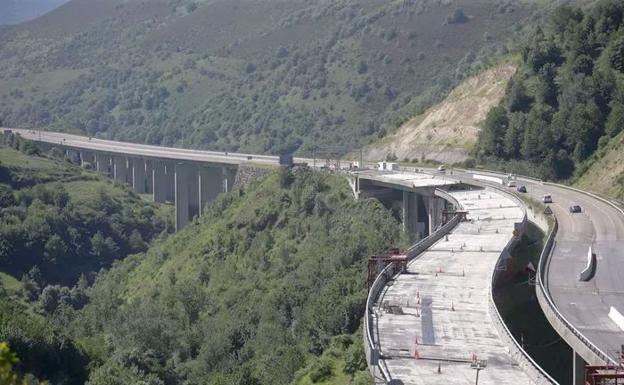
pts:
[55, 248]
[493, 132]
[615, 120]
[50, 298]
[102, 247]
[8, 376]
[616, 53]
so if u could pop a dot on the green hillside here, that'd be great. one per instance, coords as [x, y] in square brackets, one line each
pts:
[249, 75]
[59, 226]
[251, 293]
[565, 106]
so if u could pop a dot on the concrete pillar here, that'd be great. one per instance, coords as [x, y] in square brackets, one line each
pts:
[181, 195]
[229, 177]
[193, 189]
[102, 163]
[138, 175]
[170, 181]
[120, 169]
[186, 193]
[411, 225]
[86, 157]
[149, 176]
[405, 212]
[159, 181]
[430, 215]
[210, 185]
[578, 369]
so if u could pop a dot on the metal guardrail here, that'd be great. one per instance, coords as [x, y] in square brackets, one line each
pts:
[371, 349]
[530, 367]
[542, 280]
[541, 277]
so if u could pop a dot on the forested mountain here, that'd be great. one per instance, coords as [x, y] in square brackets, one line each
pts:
[250, 293]
[18, 11]
[59, 226]
[254, 75]
[567, 99]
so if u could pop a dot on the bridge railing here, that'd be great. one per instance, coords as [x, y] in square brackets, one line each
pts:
[547, 303]
[537, 374]
[371, 346]
[543, 294]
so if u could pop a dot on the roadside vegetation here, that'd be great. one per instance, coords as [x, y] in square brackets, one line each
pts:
[566, 103]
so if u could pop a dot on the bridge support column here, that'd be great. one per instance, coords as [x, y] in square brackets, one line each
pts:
[102, 164]
[149, 176]
[410, 215]
[86, 157]
[120, 169]
[159, 181]
[578, 369]
[186, 193]
[170, 181]
[211, 184]
[229, 177]
[138, 175]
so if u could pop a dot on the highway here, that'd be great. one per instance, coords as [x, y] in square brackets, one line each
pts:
[584, 304]
[135, 149]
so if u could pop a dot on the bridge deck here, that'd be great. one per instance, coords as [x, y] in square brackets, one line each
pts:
[451, 320]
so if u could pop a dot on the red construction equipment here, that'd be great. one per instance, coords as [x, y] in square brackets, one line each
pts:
[606, 375]
[376, 263]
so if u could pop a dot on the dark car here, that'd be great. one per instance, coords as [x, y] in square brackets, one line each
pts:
[575, 209]
[521, 189]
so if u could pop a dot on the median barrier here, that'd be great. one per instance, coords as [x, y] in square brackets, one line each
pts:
[589, 270]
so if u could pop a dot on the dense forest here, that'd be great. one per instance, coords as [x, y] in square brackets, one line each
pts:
[567, 99]
[59, 226]
[254, 292]
[259, 76]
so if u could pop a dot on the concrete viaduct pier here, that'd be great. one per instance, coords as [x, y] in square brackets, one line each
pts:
[190, 179]
[191, 186]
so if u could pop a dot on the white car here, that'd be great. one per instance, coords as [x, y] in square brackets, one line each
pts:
[511, 183]
[441, 168]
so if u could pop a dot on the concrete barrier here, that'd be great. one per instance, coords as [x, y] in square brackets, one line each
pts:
[488, 178]
[616, 317]
[590, 269]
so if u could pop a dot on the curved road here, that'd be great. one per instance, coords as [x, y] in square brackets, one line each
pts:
[585, 304]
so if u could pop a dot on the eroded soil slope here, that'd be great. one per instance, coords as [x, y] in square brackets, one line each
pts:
[447, 131]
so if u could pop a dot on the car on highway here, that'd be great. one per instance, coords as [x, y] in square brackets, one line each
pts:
[441, 168]
[547, 198]
[511, 183]
[522, 189]
[575, 209]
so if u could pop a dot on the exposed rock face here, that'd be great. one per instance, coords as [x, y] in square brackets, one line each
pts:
[447, 131]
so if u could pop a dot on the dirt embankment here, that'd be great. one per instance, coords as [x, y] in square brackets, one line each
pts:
[606, 174]
[447, 131]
